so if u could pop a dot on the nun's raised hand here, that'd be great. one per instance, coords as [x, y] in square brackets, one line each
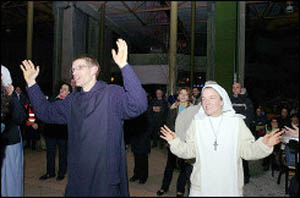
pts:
[29, 72]
[167, 134]
[273, 138]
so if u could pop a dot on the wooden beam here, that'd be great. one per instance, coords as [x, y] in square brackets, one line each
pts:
[167, 23]
[136, 16]
[153, 10]
[268, 9]
[29, 30]
[140, 5]
[172, 48]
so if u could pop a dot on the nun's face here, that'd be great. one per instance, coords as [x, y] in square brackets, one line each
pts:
[212, 102]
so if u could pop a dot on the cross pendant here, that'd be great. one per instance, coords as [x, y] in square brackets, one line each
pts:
[215, 145]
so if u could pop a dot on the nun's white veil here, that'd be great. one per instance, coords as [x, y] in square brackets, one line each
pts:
[227, 109]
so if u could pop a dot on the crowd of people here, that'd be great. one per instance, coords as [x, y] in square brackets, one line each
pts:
[207, 132]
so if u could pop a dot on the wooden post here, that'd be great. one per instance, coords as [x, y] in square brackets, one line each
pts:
[241, 46]
[172, 52]
[101, 40]
[192, 57]
[29, 30]
[57, 55]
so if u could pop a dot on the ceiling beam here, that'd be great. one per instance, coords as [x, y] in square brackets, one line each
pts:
[144, 10]
[136, 16]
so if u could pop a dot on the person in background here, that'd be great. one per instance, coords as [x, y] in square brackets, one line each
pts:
[21, 96]
[6, 93]
[218, 138]
[196, 93]
[244, 106]
[271, 126]
[183, 102]
[97, 163]
[289, 156]
[73, 85]
[31, 126]
[57, 135]
[24, 100]
[158, 114]
[12, 169]
[284, 119]
[140, 146]
[260, 122]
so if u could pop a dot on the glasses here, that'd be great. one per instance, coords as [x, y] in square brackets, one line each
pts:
[77, 68]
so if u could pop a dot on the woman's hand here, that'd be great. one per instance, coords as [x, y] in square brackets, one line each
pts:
[167, 134]
[293, 132]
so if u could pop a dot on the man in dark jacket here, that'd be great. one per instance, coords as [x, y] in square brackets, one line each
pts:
[140, 146]
[243, 105]
[97, 163]
[158, 111]
[57, 134]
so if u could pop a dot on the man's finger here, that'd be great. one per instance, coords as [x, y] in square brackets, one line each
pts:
[22, 68]
[25, 64]
[113, 52]
[31, 64]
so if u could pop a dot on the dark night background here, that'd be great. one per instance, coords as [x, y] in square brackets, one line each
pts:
[271, 62]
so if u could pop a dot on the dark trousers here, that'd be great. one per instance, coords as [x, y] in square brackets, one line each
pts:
[155, 134]
[188, 172]
[51, 152]
[246, 169]
[182, 178]
[31, 136]
[141, 166]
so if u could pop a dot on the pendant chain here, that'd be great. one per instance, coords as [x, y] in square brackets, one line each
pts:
[215, 132]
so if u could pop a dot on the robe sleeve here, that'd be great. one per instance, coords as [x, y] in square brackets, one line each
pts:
[185, 150]
[133, 99]
[53, 113]
[249, 148]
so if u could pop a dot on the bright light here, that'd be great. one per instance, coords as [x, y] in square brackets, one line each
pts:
[112, 79]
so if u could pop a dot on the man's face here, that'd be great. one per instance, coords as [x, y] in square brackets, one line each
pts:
[18, 90]
[82, 73]
[236, 88]
[258, 112]
[211, 102]
[195, 92]
[284, 113]
[64, 91]
[73, 83]
[159, 93]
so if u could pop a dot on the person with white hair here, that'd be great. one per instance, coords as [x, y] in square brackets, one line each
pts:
[12, 166]
[219, 139]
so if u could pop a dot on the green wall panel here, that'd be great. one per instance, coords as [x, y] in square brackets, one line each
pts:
[225, 26]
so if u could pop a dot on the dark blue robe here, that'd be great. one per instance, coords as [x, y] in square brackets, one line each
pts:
[96, 152]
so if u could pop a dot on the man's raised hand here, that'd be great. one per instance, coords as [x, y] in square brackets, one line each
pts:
[29, 72]
[120, 58]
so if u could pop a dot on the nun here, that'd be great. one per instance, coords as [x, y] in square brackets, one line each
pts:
[218, 139]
